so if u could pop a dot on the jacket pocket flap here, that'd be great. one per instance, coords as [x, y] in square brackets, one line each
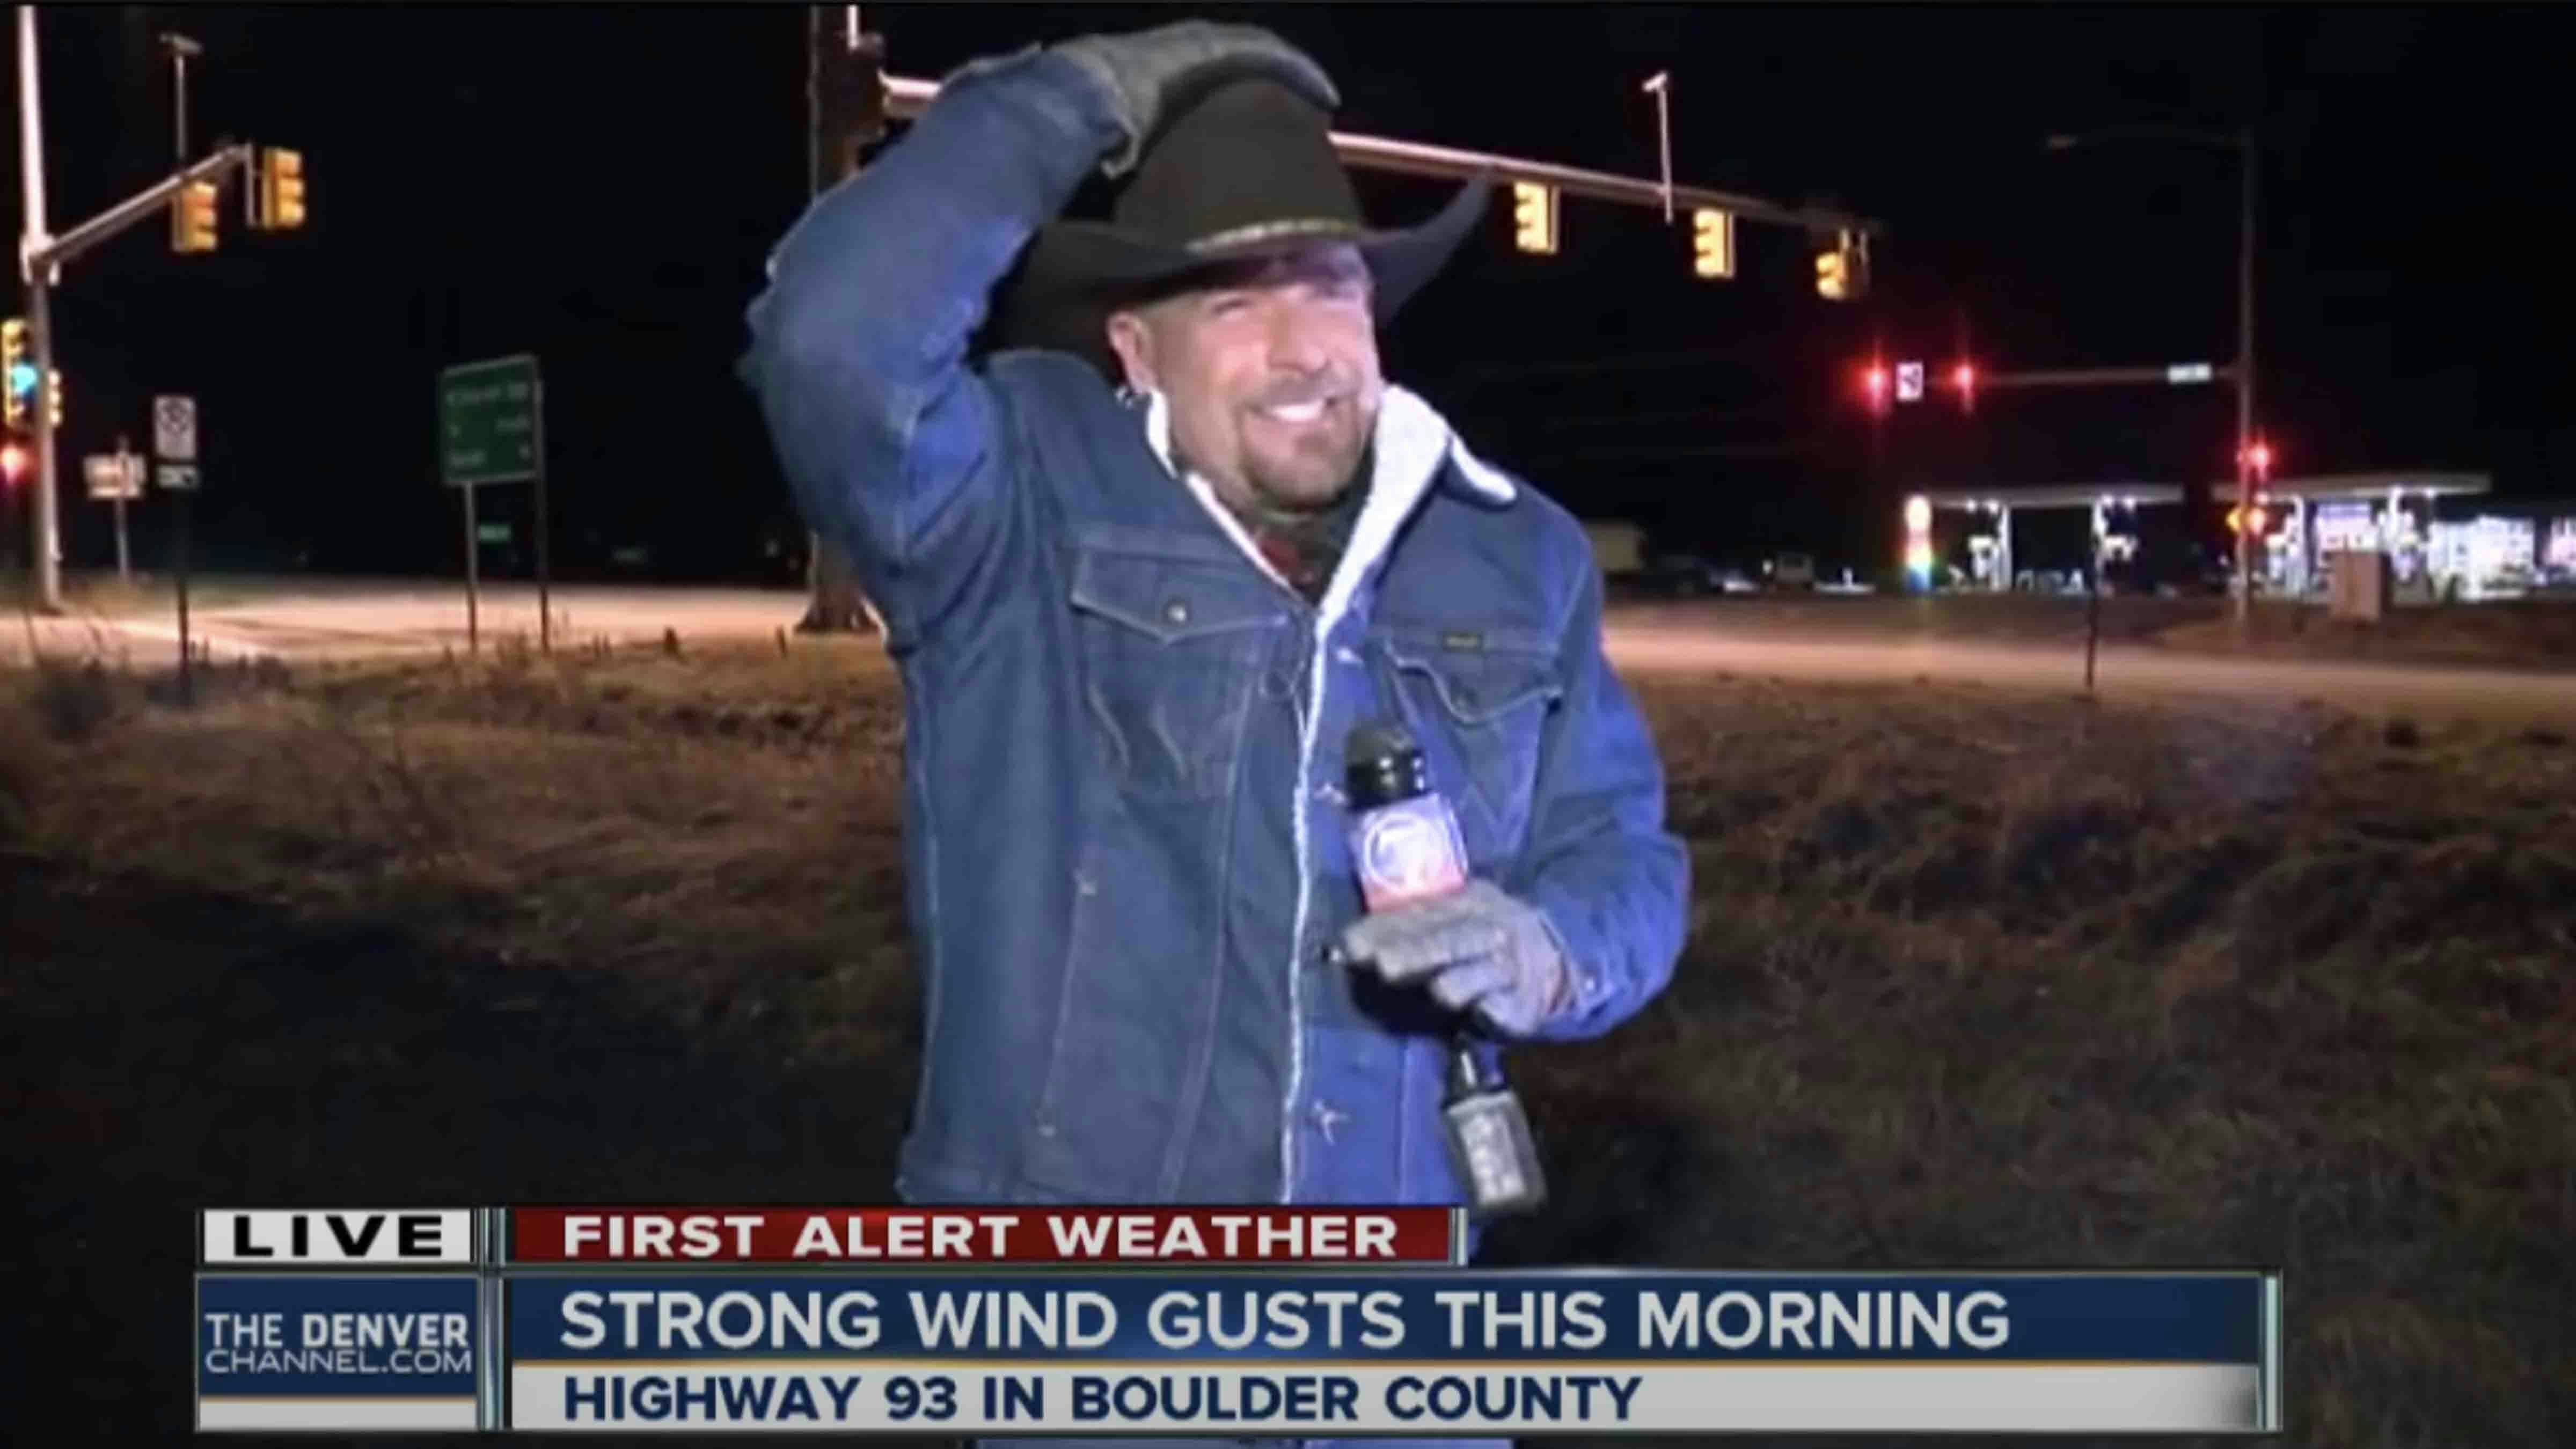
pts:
[1479, 675]
[1169, 599]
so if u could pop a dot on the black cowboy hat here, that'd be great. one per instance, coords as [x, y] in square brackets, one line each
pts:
[1245, 169]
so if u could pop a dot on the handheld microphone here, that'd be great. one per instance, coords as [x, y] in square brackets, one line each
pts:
[1406, 848]
[1404, 840]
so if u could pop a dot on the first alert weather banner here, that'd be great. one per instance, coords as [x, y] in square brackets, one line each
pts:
[752, 1341]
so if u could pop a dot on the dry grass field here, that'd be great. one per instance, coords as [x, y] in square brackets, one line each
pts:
[1973, 979]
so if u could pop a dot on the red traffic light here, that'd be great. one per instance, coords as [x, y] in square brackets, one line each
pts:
[1963, 378]
[13, 460]
[2258, 459]
[1873, 382]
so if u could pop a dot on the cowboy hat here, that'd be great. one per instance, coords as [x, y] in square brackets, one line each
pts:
[1242, 171]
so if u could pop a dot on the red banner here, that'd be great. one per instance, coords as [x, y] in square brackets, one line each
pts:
[963, 1236]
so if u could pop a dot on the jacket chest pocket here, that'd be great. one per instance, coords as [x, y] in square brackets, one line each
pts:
[1170, 654]
[1480, 710]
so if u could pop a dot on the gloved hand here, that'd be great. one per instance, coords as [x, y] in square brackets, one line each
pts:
[1480, 951]
[1147, 69]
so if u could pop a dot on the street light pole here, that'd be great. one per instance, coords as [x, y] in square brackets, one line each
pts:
[2248, 203]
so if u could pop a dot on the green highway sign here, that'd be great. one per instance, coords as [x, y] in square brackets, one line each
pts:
[489, 424]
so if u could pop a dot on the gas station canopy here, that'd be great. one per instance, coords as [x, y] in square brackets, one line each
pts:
[2375, 486]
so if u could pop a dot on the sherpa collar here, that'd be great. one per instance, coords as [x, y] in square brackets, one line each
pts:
[1413, 440]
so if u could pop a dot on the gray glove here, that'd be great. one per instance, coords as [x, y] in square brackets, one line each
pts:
[1480, 950]
[1145, 70]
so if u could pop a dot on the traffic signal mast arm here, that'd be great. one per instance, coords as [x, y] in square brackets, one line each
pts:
[906, 98]
[54, 251]
[2178, 374]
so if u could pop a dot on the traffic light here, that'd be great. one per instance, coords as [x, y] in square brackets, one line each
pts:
[16, 371]
[14, 459]
[280, 190]
[1842, 270]
[2258, 461]
[192, 218]
[2238, 519]
[54, 397]
[1963, 380]
[1713, 242]
[1874, 382]
[1534, 217]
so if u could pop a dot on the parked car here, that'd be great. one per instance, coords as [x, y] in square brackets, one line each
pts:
[1689, 576]
[1792, 571]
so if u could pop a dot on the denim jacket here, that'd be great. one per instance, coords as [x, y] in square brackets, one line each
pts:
[1124, 837]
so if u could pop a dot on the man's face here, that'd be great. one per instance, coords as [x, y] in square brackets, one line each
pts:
[1270, 370]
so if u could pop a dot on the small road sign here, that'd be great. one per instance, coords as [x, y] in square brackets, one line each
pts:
[174, 429]
[113, 475]
[2185, 372]
[488, 426]
[181, 477]
[1909, 382]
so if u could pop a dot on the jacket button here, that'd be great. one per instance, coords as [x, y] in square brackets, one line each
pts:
[1177, 611]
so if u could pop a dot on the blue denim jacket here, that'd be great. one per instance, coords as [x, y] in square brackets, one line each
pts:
[1124, 839]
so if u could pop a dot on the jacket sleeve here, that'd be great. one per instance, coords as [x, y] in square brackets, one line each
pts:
[1611, 882]
[893, 446]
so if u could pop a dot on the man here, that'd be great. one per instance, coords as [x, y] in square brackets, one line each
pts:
[1136, 625]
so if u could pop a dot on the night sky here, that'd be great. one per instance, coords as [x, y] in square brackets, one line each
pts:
[599, 186]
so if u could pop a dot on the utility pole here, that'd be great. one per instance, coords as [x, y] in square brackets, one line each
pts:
[845, 111]
[180, 48]
[39, 276]
[2245, 461]
[2250, 469]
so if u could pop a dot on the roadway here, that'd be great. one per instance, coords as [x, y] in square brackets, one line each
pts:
[1883, 640]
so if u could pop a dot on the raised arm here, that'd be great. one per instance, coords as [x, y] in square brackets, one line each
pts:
[893, 445]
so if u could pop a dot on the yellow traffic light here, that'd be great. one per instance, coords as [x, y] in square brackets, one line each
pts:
[1842, 271]
[1833, 275]
[54, 396]
[13, 356]
[192, 218]
[1713, 242]
[281, 189]
[1534, 217]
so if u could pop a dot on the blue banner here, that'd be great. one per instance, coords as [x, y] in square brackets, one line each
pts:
[1462, 1316]
[317, 1337]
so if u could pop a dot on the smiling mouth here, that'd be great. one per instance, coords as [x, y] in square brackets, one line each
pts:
[1295, 413]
